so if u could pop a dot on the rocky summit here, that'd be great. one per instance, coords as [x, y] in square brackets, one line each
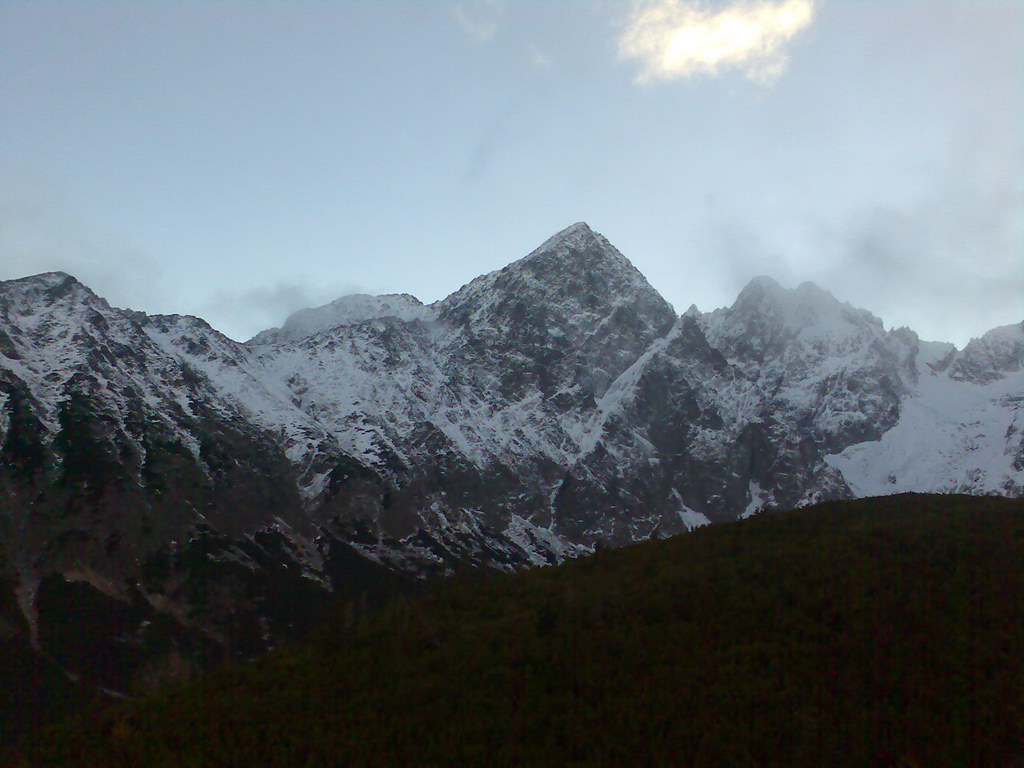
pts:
[165, 490]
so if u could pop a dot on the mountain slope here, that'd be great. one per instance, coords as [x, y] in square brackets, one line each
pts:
[961, 426]
[874, 632]
[170, 474]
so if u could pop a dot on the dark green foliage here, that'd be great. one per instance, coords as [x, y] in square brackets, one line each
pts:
[32, 687]
[877, 632]
[89, 462]
[22, 450]
[164, 460]
[31, 684]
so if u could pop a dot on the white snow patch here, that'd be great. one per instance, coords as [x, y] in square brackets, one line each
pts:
[527, 536]
[691, 518]
[952, 436]
[757, 501]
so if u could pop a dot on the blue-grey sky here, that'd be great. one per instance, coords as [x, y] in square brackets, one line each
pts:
[241, 160]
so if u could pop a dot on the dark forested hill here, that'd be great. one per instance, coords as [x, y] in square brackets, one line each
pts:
[873, 632]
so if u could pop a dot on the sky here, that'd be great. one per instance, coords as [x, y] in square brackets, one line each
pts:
[241, 160]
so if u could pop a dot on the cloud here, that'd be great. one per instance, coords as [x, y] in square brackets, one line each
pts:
[677, 39]
[948, 280]
[480, 20]
[946, 262]
[244, 313]
[937, 249]
[41, 231]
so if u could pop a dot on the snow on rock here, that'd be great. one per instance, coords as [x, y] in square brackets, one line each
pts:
[575, 309]
[953, 436]
[348, 310]
[825, 363]
[542, 546]
[996, 354]
[692, 519]
[551, 404]
[757, 501]
[5, 416]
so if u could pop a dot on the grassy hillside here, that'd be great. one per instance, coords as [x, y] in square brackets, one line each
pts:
[877, 632]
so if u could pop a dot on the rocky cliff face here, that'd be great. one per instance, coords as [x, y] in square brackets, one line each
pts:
[223, 491]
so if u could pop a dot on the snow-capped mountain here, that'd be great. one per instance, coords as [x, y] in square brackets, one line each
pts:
[542, 408]
[348, 310]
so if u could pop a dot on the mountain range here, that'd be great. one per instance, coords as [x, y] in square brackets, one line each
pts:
[165, 489]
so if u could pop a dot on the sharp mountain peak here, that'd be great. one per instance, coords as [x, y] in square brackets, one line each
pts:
[576, 273]
[572, 236]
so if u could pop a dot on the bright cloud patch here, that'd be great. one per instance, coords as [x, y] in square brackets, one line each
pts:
[674, 39]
